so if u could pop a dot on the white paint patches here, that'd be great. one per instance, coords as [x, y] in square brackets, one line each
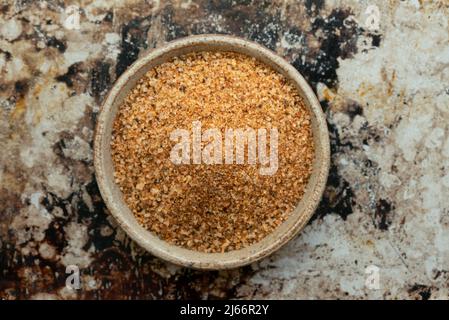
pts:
[435, 138]
[54, 111]
[2, 62]
[78, 149]
[112, 38]
[78, 51]
[11, 29]
[87, 199]
[389, 180]
[411, 131]
[47, 251]
[446, 148]
[30, 225]
[35, 199]
[74, 254]
[112, 43]
[337, 248]
[445, 180]
[59, 182]
[15, 69]
[431, 191]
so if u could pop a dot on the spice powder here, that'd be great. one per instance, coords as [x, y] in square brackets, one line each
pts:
[210, 207]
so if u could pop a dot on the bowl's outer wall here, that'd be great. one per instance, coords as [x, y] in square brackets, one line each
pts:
[113, 196]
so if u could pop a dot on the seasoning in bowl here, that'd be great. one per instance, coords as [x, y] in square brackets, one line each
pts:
[174, 159]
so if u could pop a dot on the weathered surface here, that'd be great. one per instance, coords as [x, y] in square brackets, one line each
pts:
[386, 96]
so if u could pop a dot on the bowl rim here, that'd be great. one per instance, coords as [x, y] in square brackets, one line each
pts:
[195, 259]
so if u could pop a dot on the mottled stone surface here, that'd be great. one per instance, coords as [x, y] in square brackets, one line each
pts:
[386, 96]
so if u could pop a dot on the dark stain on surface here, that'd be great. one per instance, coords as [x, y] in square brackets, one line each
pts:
[55, 234]
[314, 6]
[369, 134]
[266, 31]
[375, 40]
[174, 28]
[423, 292]
[382, 215]
[297, 37]
[4, 8]
[354, 109]
[58, 149]
[21, 88]
[338, 196]
[100, 79]
[108, 17]
[50, 201]
[225, 288]
[56, 43]
[339, 41]
[7, 54]
[261, 23]
[96, 217]
[133, 36]
[10, 204]
[69, 76]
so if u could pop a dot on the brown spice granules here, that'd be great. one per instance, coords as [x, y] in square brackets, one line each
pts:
[210, 208]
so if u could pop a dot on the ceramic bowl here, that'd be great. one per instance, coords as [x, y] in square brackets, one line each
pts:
[113, 196]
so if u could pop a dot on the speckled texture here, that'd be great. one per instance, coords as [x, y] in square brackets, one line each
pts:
[386, 97]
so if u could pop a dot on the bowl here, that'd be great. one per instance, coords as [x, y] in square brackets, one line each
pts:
[113, 196]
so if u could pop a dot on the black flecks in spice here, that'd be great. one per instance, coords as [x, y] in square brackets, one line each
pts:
[226, 5]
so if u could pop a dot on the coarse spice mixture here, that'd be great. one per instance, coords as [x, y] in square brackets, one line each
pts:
[210, 208]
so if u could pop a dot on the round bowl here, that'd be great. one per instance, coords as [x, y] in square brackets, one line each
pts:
[113, 196]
